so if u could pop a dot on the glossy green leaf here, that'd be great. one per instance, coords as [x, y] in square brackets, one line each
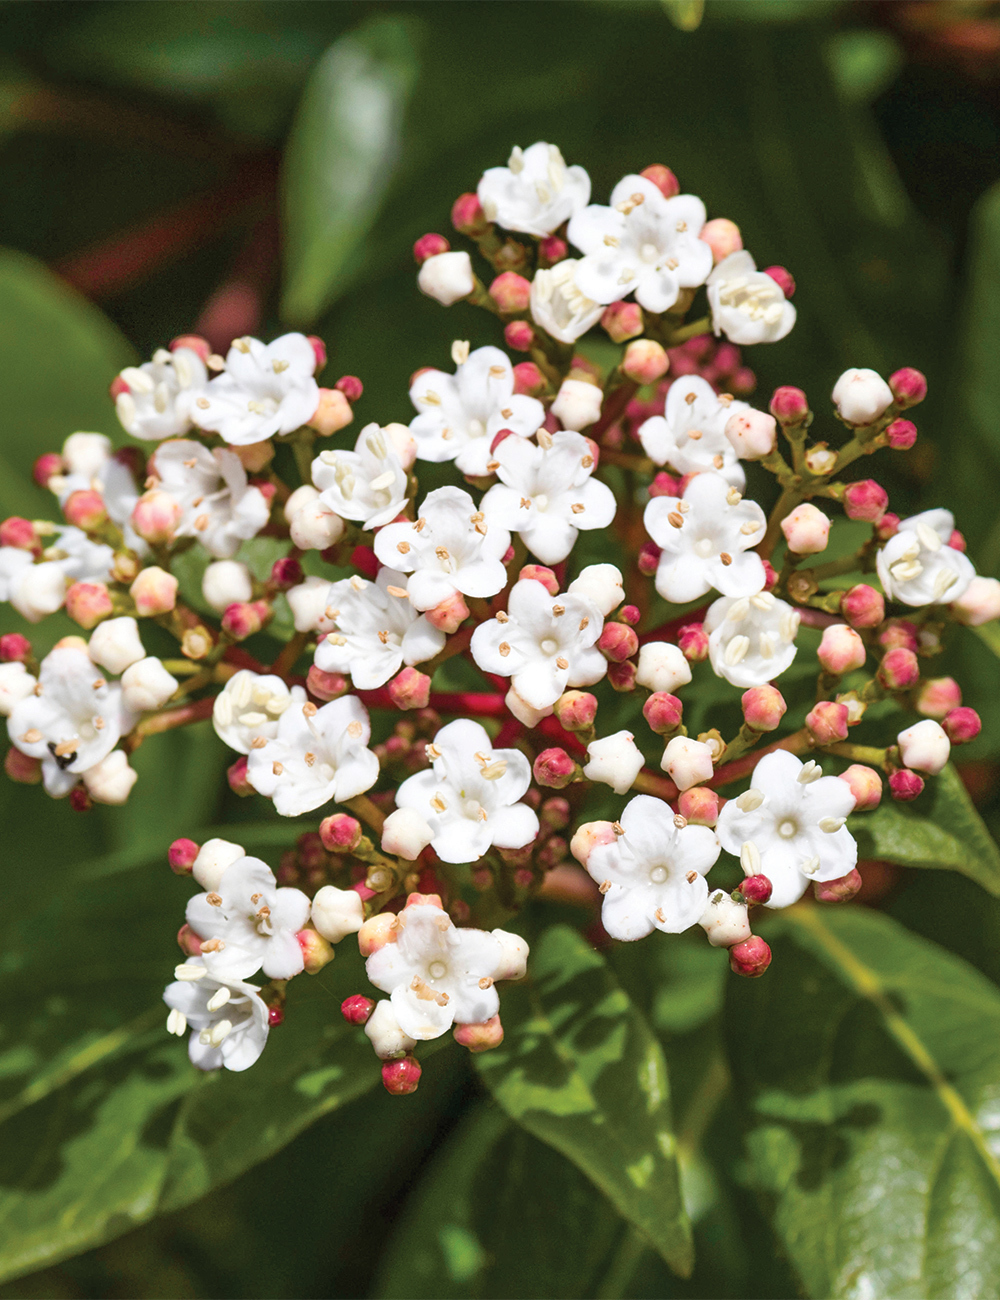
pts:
[580, 1068]
[869, 1063]
[340, 159]
[939, 830]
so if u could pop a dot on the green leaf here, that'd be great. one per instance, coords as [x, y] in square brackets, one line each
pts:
[941, 830]
[340, 159]
[869, 1062]
[580, 1068]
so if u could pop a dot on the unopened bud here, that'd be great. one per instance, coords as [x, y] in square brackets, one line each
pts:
[841, 649]
[905, 785]
[528, 379]
[19, 533]
[938, 697]
[840, 890]
[511, 292]
[79, 798]
[21, 768]
[648, 559]
[962, 725]
[88, 602]
[908, 386]
[551, 251]
[447, 278]
[518, 335]
[725, 921]
[577, 404]
[752, 434]
[84, 509]
[285, 574]
[979, 604]
[687, 762]
[645, 361]
[789, 405]
[663, 712]
[699, 806]
[481, 1037]
[901, 435]
[693, 642]
[663, 178]
[357, 1009]
[333, 412]
[325, 686]
[450, 614]
[763, 708]
[806, 529]
[863, 606]
[539, 573]
[429, 246]
[340, 833]
[317, 952]
[236, 777]
[755, 889]
[750, 958]
[111, 780]
[194, 343]
[242, 619]
[410, 689]
[382, 1027]
[154, 592]
[188, 942]
[337, 913]
[576, 710]
[865, 500]
[618, 642]
[861, 396]
[155, 516]
[664, 485]
[401, 1077]
[899, 670]
[826, 722]
[723, 238]
[468, 217]
[15, 648]
[899, 633]
[47, 466]
[924, 746]
[782, 278]
[405, 834]
[865, 784]
[554, 768]
[888, 526]
[212, 860]
[623, 321]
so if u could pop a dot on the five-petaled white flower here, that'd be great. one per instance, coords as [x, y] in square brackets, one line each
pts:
[246, 924]
[228, 1020]
[451, 547]
[373, 629]
[218, 508]
[367, 484]
[72, 722]
[705, 537]
[747, 305]
[156, 400]
[690, 435]
[918, 567]
[265, 389]
[469, 796]
[543, 643]
[653, 874]
[547, 493]
[535, 193]
[751, 638]
[318, 755]
[789, 826]
[643, 244]
[102, 471]
[249, 705]
[461, 414]
[558, 306]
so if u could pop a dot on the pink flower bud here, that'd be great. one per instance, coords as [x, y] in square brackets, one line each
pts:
[576, 710]
[622, 676]
[589, 836]
[905, 785]
[899, 632]
[528, 379]
[722, 236]
[84, 509]
[340, 833]
[551, 250]
[901, 435]
[865, 500]
[789, 405]
[755, 889]
[154, 592]
[841, 650]
[663, 178]
[317, 952]
[410, 689]
[88, 602]
[188, 942]
[618, 642]
[242, 619]
[22, 769]
[663, 712]
[47, 466]
[482, 1037]
[752, 434]
[750, 958]
[429, 246]
[468, 217]
[827, 722]
[181, 856]
[806, 529]
[938, 696]
[782, 278]
[286, 573]
[699, 805]
[957, 541]
[664, 485]
[275, 1016]
[333, 413]
[693, 641]
[554, 768]
[155, 516]
[402, 1076]
[645, 361]
[450, 614]
[980, 603]
[539, 573]
[79, 799]
[351, 386]
[839, 890]
[356, 1009]
[866, 786]
[19, 533]
[623, 321]
[15, 648]
[908, 386]
[194, 343]
[510, 292]
[888, 526]
[899, 670]
[236, 776]
[770, 576]
[962, 725]
[325, 686]
[763, 707]
[630, 614]
[863, 606]
[518, 335]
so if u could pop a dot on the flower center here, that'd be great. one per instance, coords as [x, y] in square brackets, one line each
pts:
[649, 253]
[659, 876]
[437, 970]
[703, 548]
[541, 503]
[477, 429]
[549, 646]
[788, 829]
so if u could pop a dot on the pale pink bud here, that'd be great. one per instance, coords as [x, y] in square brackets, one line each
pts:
[750, 958]
[21, 768]
[236, 777]
[905, 785]
[783, 278]
[752, 434]
[648, 559]
[938, 696]
[340, 833]
[554, 768]
[839, 890]
[806, 529]
[924, 746]
[865, 500]
[841, 650]
[155, 516]
[863, 606]
[789, 405]
[511, 292]
[663, 178]
[693, 641]
[590, 836]
[401, 1077]
[154, 592]
[480, 1038]
[15, 648]
[722, 236]
[356, 1009]
[450, 614]
[88, 602]
[962, 725]
[699, 805]
[317, 952]
[763, 708]
[528, 379]
[623, 321]
[645, 361]
[188, 942]
[325, 686]
[576, 710]
[194, 343]
[410, 689]
[957, 541]
[687, 762]
[664, 485]
[866, 786]
[19, 533]
[319, 351]
[47, 466]
[242, 619]
[899, 670]
[630, 614]
[888, 526]
[755, 889]
[429, 246]
[333, 413]
[901, 435]
[980, 603]
[468, 217]
[376, 932]
[663, 712]
[908, 386]
[403, 442]
[827, 722]
[518, 335]
[539, 573]
[84, 509]
[618, 642]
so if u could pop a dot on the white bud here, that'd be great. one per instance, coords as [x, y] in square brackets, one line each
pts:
[515, 956]
[523, 711]
[662, 667]
[752, 434]
[861, 396]
[924, 746]
[115, 644]
[980, 602]
[337, 912]
[725, 921]
[306, 495]
[615, 760]
[314, 527]
[225, 583]
[446, 277]
[383, 1029]
[308, 602]
[147, 685]
[577, 404]
[39, 589]
[403, 442]
[212, 860]
[601, 583]
[405, 834]
[110, 780]
[85, 453]
[687, 762]
[16, 684]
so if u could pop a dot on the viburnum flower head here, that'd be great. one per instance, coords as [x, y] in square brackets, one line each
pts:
[156, 400]
[690, 435]
[535, 193]
[747, 305]
[367, 484]
[705, 538]
[218, 508]
[469, 796]
[789, 826]
[228, 1021]
[246, 924]
[249, 706]
[373, 629]
[642, 244]
[558, 306]
[544, 644]
[918, 567]
[461, 414]
[452, 547]
[547, 493]
[654, 871]
[317, 755]
[265, 389]
[751, 639]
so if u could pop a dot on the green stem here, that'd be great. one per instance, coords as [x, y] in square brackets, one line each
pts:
[701, 326]
[857, 753]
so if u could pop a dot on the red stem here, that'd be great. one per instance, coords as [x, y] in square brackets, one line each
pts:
[667, 630]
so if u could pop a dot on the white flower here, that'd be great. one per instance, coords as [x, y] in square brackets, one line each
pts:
[446, 277]
[374, 630]
[451, 547]
[789, 826]
[225, 583]
[690, 435]
[654, 871]
[547, 493]
[924, 746]
[687, 762]
[705, 536]
[72, 723]
[337, 913]
[218, 508]
[751, 639]
[308, 602]
[228, 1021]
[535, 193]
[469, 797]
[367, 484]
[557, 305]
[614, 760]
[662, 667]
[85, 455]
[147, 685]
[861, 396]
[78, 557]
[461, 414]
[318, 755]
[159, 396]
[918, 567]
[600, 583]
[543, 643]
[115, 644]
[38, 589]
[111, 780]
[265, 389]
[249, 707]
[747, 305]
[642, 243]
[16, 684]
[91, 464]
[247, 923]
[436, 974]
[578, 403]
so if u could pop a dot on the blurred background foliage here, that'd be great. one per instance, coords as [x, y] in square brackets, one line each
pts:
[249, 167]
